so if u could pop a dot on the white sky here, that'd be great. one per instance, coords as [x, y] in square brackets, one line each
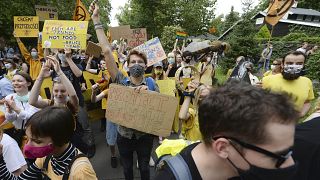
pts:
[222, 7]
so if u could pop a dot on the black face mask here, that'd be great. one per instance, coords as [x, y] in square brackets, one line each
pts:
[258, 173]
[290, 76]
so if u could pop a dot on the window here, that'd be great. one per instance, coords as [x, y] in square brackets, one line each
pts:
[300, 17]
[308, 18]
[316, 19]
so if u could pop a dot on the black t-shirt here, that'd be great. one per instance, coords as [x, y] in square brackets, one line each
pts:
[75, 82]
[165, 172]
[306, 150]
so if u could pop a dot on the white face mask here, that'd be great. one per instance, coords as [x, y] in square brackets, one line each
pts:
[272, 67]
[62, 57]
[8, 66]
[293, 68]
[34, 55]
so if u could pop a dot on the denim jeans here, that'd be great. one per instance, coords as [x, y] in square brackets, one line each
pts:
[143, 147]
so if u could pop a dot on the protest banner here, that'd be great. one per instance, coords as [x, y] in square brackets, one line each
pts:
[46, 13]
[147, 111]
[93, 50]
[120, 32]
[153, 50]
[167, 87]
[26, 26]
[64, 34]
[138, 36]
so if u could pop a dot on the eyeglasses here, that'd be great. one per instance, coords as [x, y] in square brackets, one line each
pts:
[281, 158]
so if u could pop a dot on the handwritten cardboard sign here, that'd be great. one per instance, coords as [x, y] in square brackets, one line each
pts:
[153, 50]
[64, 34]
[147, 111]
[120, 32]
[167, 87]
[138, 36]
[46, 12]
[26, 26]
[93, 49]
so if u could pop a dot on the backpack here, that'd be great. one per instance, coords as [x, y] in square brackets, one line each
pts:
[67, 170]
[177, 165]
[150, 83]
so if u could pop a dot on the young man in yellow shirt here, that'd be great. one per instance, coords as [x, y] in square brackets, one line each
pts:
[290, 81]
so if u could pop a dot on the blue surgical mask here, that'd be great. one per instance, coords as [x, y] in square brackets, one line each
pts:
[62, 57]
[171, 60]
[34, 55]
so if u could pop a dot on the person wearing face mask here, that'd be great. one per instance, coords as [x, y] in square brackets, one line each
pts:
[291, 82]
[173, 66]
[189, 115]
[247, 132]
[206, 70]
[33, 57]
[128, 140]
[11, 68]
[49, 133]
[275, 68]
[158, 72]
[186, 61]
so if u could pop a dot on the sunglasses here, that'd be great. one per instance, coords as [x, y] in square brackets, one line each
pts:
[281, 157]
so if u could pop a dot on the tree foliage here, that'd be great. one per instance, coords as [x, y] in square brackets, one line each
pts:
[313, 66]
[309, 4]
[65, 12]
[263, 33]
[230, 19]
[168, 37]
[192, 15]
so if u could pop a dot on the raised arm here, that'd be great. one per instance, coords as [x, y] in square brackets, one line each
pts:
[39, 46]
[111, 64]
[184, 111]
[74, 68]
[94, 97]
[34, 99]
[88, 66]
[24, 51]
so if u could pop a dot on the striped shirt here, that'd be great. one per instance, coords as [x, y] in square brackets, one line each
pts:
[59, 165]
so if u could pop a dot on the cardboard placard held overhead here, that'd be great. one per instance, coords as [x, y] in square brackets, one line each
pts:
[64, 34]
[26, 26]
[138, 36]
[120, 32]
[153, 50]
[93, 49]
[46, 12]
[147, 111]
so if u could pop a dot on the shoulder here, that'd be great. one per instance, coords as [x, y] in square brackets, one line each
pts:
[82, 169]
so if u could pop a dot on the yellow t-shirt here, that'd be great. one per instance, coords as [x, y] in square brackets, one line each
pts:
[81, 169]
[206, 77]
[104, 100]
[268, 73]
[190, 127]
[300, 90]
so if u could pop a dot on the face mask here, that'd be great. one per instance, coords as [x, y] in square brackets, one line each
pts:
[33, 152]
[62, 57]
[292, 72]
[82, 57]
[8, 66]
[171, 60]
[34, 55]
[257, 173]
[24, 98]
[272, 67]
[158, 72]
[136, 70]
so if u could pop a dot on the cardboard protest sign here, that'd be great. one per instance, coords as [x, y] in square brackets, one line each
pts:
[46, 13]
[138, 36]
[93, 49]
[277, 9]
[64, 34]
[153, 50]
[26, 26]
[147, 111]
[120, 32]
[167, 87]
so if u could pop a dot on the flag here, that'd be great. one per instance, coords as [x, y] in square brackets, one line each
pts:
[277, 9]
[181, 35]
[81, 13]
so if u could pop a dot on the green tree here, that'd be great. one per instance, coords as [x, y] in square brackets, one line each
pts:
[168, 37]
[193, 16]
[231, 19]
[263, 33]
[309, 4]
[217, 23]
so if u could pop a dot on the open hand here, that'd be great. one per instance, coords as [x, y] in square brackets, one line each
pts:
[138, 89]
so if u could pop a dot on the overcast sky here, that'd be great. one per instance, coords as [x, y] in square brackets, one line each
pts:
[222, 7]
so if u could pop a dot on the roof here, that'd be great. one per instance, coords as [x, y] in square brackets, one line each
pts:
[302, 11]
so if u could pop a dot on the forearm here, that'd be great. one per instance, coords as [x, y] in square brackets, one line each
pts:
[183, 114]
[67, 83]
[93, 96]
[305, 109]
[35, 91]
[74, 68]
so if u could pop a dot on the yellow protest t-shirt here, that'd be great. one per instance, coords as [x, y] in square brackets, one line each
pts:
[104, 100]
[206, 77]
[268, 73]
[300, 90]
[190, 127]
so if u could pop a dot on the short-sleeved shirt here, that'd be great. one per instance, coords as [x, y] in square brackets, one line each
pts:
[300, 90]
[12, 154]
[190, 127]
[165, 172]
[124, 131]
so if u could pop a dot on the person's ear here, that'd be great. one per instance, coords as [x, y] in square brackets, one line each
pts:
[221, 147]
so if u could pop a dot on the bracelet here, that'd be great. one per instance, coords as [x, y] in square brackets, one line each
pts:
[97, 24]
[98, 27]
[191, 94]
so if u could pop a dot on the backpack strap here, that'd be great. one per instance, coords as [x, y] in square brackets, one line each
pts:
[67, 170]
[179, 167]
